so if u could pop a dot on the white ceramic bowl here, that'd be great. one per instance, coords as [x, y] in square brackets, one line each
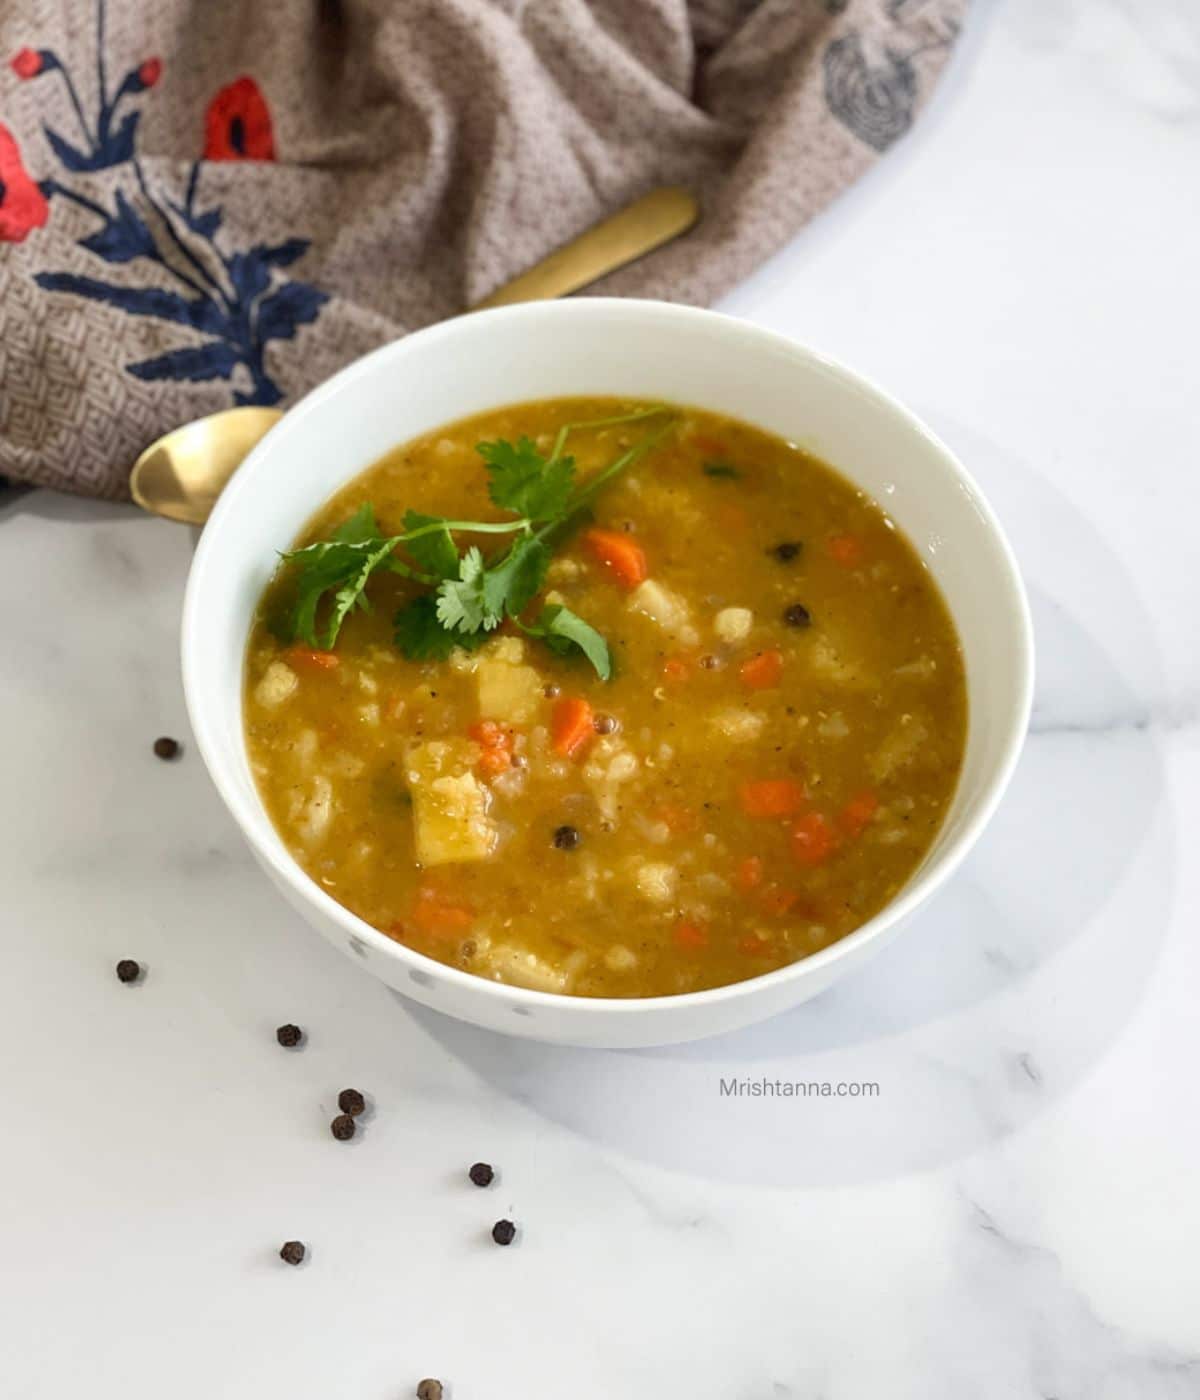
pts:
[648, 350]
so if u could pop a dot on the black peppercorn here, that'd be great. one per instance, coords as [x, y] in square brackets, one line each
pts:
[566, 838]
[342, 1127]
[552, 691]
[797, 615]
[710, 663]
[787, 551]
[606, 724]
[481, 1174]
[128, 970]
[166, 748]
[352, 1102]
[292, 1252]
[289, 1036]
[504, 1232]
[429, 1389]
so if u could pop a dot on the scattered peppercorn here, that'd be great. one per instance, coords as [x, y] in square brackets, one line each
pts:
[797, 616]
[504, 1232]
[481, 1174]
[566, 838]
[606, 724]
[429, 1390]
[552, 691]
[166, 748]
[343, 1127]
[352, 1102]
[292, 1252]
[786, 551]
[710, 663]
[128, 970]
[289, 1036]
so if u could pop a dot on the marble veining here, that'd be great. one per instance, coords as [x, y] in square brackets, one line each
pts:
[1014, 1215]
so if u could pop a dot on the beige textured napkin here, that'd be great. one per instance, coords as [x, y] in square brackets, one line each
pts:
[208, 202]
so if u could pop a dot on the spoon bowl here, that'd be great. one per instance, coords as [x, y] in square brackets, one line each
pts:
[181, 474]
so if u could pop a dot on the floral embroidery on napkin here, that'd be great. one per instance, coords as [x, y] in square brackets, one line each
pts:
[237, 300]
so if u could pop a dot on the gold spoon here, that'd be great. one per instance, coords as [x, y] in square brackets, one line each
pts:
[181, 474]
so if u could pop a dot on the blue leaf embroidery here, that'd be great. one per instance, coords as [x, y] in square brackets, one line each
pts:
[75, 160]
[215, 359]
[249, 273]
[282, 254]
[117, 147]
[113, 147]
[201, 313]
[124, 238]
[233, 298]
[293, 305]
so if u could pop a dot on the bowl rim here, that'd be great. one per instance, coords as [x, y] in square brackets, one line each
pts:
[249, 815]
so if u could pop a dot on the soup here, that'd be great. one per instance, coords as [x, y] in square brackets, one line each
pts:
[605, 698]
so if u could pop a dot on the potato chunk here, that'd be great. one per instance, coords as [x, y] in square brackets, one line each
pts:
[656, 881]
[277, 684]
[739, 725]
[450, 808]
[521, 968]
[733, 624]
[315, 812]
[508, 689]
[661, 605]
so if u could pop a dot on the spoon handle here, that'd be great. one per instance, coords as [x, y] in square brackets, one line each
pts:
[639, 228]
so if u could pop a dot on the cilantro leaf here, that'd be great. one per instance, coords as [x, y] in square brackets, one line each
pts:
[510, 585]
[461, 604]
[435, 552]
[471, 594]
[361, 528]
[523, 481]
[562, 631]
[337, 567]
[421, 636]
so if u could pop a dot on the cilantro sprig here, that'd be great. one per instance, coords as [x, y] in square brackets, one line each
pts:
[467, 593]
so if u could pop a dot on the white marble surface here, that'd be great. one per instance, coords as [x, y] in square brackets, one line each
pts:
[1015, 1216]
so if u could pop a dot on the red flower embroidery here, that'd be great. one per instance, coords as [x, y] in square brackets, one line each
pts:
[26, 64]
[150, 72]
[23, 206]
[237, 125]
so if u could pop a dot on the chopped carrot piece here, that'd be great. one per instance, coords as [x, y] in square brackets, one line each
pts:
[776, 902]
[493, 762]
[690, 935]
[813, 839]
[763, 671]
[309, 660]
[846, 550]
[676, 668]
[749, 873]
[395, 929]
[678, 818]
[433, 914]
[856, 815]
[491, 735]
[772, 797]
[618, 552]
[571, 725]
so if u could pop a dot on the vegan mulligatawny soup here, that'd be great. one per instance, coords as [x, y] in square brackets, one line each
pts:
[605, 698]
